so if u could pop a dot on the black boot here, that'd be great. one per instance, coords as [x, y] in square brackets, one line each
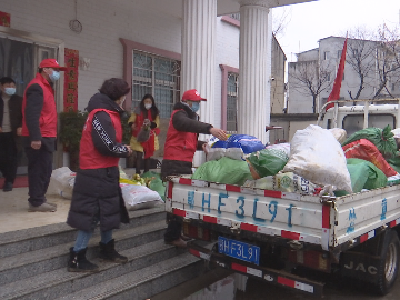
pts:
[108, 253]
[78, 262]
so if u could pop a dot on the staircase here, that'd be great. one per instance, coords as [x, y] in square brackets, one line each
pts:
[33, 262]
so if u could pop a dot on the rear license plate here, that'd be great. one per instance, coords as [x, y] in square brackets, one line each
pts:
[239, 250]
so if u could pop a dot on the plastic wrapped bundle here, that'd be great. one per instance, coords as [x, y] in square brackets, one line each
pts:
[237, 146]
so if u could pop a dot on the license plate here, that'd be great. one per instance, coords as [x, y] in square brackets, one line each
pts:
[239, 250]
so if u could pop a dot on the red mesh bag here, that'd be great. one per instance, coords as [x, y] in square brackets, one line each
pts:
[366, 150]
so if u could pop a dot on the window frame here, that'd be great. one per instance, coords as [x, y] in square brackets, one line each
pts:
[128, 47]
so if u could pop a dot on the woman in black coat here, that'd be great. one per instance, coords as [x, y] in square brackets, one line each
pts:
[96, 195]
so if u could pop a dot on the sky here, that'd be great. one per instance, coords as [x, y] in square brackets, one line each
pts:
[311, 21]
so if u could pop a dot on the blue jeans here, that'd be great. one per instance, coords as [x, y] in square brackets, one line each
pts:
[84, 236]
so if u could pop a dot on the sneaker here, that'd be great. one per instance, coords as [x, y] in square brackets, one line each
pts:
[8, 186]
[50, 203]
[44, 207]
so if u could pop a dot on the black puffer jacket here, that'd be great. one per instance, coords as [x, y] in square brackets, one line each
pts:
[96, 194]
[187, 121]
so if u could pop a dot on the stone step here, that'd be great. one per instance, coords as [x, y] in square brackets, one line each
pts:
[33, 263]
[20, 241]
[144, 283]
[151, 258]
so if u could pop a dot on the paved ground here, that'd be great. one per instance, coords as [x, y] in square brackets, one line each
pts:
[14, 213]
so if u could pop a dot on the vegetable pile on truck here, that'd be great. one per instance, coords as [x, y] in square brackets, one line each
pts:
[272, 227]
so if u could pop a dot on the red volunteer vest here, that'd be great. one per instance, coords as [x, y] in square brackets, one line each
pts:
[180, 145]
[89, 156]
[48, 115]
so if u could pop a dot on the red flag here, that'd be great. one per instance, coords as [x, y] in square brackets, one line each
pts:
[335, 93]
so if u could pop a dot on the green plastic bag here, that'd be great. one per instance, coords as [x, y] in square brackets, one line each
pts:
[268, 162]
[157, 185]
[364, 175]
[376, 178]
[224, 170]
[150, 174]
[382, 139]
[394, 162]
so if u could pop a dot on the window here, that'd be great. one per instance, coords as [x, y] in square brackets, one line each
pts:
[355, 53]
[157, 76]
[339, 54]
[393, 87]
[326, 75]
[232, 101]
[326, 55]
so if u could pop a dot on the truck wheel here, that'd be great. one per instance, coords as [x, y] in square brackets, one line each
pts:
[389, 262]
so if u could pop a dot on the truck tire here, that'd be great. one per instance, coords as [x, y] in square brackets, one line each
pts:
[389, 262]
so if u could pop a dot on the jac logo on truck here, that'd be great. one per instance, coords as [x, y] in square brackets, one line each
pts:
[360, 267]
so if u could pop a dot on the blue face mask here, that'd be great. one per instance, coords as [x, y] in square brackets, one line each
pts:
[55, 76]
[10, 91]
[195, 106]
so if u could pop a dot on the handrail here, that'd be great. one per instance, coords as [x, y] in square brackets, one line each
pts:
[367, 101]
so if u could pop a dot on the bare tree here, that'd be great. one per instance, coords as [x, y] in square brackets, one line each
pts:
[387, 59]
[280, 19]
[360, 56]
[311, 78]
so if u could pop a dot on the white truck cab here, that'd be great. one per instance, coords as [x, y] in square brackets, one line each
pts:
[351, 118]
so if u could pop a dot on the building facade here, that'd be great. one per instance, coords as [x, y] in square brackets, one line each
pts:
[371, 71]
[162, 47]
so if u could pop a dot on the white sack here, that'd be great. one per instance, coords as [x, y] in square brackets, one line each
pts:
[318, 157]
[139, 197]
[62, 181]
[339, 134]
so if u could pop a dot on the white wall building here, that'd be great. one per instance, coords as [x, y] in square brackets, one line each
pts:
[327, 57]
[162, 47]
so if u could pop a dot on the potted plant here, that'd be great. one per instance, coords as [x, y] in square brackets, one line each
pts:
[71, 125]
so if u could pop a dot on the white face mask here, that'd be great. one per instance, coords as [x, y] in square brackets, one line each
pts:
[148, 106]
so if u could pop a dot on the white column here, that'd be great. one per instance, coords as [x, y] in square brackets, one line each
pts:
[198, 45]
[254, 68]
[198, 63]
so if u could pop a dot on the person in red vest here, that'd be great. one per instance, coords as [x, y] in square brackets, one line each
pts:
[39, 132]
[181, 144]
[147, 110]
[96, 196]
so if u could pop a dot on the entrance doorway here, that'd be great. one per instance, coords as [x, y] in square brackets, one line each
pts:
[19, 59]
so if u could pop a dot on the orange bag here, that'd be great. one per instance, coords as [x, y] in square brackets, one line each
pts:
[366, 150]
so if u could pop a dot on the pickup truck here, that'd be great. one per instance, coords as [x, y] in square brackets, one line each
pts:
[278, 236]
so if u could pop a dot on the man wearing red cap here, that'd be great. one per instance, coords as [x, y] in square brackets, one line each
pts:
[181, 144]
[39, 132]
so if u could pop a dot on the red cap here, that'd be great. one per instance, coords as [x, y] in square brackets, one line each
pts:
[192, 95]
[51, 63]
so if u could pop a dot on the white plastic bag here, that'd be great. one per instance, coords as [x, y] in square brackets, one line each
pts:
[139, 197]
[62, 181]
[318, 157]
[339, 134]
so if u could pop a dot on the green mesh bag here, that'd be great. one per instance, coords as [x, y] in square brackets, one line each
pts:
[224, 170]
[382, 139]
[268, 162]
